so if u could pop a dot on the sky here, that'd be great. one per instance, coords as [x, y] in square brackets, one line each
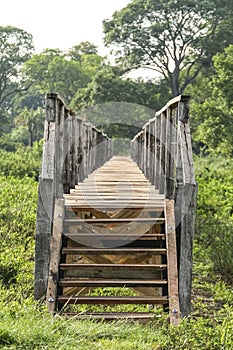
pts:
[60, 24]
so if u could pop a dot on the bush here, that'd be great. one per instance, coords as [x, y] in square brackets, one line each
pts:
[18, 198]
[214, 220]
[25, 161]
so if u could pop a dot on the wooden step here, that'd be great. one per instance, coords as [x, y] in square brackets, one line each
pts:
[112, 300]
[83, 206]
[105, 202]
[119, 271]
[79, 221]
[112, 283]
[89, 237]
[113, 251]
[112, 266]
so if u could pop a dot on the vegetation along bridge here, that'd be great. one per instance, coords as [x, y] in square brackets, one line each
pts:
[115, 230]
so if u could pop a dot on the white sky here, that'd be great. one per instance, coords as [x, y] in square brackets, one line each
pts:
[63, 24]
[60, 24]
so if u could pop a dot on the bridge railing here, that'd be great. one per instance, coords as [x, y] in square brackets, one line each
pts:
[72, 149]
[163, 151]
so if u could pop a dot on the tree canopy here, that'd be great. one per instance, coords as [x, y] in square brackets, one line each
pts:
[16, 47]
[53, 70]
[169, 36]
[212, 111]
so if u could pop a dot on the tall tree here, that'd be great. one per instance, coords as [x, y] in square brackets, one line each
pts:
[223, 63]
[16, 47]
[119, 106]
[212, 114]
[169, 36]
[54, 71]
[84, 48]
[33, 121]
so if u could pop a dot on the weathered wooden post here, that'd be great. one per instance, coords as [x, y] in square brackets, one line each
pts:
[46, 195]
[186, 192]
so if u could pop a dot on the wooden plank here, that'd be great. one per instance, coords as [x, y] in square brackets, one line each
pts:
[87, 251]
[118, 220]
[43, 232]
[187, 195]
[55, 247]
[111, 283]
[112, 236]
[111, 300]
[174, 307]
[113, 203]
[119, 274]
[112, 266]
[85, 207]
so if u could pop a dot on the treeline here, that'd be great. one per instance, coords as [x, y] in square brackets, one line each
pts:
[188, 43]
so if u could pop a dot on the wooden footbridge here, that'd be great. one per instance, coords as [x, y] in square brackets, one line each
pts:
[116, 230]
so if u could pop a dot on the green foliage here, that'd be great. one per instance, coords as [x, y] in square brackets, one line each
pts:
[119, 106]
[54, 71]
[16, 48]
[23, 162]
[169, 36]
[215, 211]
[30, 329]
[33, 121]
[223, 63]
[84, 48]
[18, 197]
[212, 113]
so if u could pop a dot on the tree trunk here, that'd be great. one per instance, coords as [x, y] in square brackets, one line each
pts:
[175, 82]
[30, 137]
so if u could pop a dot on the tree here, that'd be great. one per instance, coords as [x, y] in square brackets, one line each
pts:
[212, 115]
[84, 48]
[54, 71]
[169, 36]
[119, 106]
[33, 121]
[16, 47]
[223, 63]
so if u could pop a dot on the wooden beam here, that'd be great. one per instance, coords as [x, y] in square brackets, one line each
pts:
[187, 207]
[55, 247]
[174, 307]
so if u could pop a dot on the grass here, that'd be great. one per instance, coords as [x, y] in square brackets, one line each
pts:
[33, 329]
[25, 324]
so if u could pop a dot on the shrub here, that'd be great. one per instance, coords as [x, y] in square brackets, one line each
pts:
[25, 161]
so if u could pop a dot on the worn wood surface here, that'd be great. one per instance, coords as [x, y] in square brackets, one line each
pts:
[173, 289]
[55, 247]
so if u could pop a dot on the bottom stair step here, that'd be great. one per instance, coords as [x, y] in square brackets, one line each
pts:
[112, 300]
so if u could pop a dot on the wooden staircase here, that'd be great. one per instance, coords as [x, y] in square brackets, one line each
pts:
[113, 243]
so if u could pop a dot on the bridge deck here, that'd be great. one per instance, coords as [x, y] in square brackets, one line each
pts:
[116, 185]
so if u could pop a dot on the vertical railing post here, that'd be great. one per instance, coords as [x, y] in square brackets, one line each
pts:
[46, 194]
